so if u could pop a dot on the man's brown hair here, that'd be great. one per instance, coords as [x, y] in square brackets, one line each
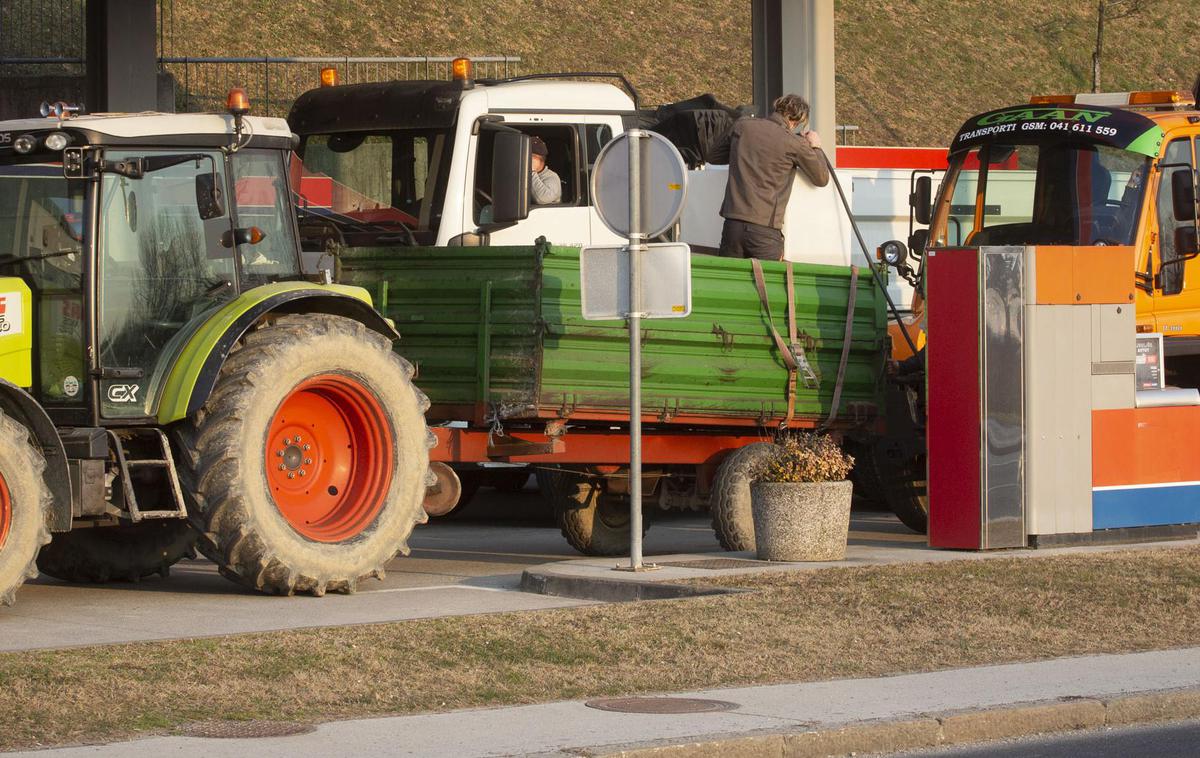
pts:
[792, 107]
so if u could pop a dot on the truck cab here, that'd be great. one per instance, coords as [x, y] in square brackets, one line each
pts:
[1086, 171]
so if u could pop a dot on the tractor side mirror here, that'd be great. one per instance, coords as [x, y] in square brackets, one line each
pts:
[1183, 195]
[921, 200]
[1186, 244]
[512, 165]
[209, 200]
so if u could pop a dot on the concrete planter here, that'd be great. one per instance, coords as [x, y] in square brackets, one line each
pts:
[807, 521]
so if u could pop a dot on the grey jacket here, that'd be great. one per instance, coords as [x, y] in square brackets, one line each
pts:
[545, 187]
[762, 156]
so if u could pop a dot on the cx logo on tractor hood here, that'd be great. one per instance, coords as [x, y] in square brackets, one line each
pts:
[1085, 115]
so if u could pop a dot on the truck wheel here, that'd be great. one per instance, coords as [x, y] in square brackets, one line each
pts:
[904, 484]
[24, 508]
[730, 499]
[118, 553]
[593, 522]
[305, 469]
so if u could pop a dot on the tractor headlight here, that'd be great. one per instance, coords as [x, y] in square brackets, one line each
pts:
[25, 144]
[57, 141]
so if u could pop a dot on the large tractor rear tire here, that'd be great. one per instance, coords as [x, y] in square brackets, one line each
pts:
[306, 468]
[903, 475]
[24, 508]
[594, 522]
[729, 503]
[118, 553]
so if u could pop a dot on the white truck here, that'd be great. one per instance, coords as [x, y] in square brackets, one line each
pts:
[436, 163]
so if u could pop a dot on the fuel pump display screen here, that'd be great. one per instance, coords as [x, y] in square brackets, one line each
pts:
[1148, 357]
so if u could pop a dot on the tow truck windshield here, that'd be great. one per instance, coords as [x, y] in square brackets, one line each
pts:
[1064, 193]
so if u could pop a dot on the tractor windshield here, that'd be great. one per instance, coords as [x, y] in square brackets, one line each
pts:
[366, 189]
[1064, 193]
[42, 232]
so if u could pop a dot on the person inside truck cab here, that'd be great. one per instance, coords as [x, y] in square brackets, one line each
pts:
[544, 185]
[763, 155]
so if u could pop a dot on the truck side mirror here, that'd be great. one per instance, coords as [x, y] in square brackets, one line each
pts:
[1183, 195]
[1186, 244]
[921, 200]
[512, 166]
[917, 242]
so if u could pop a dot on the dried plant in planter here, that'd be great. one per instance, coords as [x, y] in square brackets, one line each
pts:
[806, 457]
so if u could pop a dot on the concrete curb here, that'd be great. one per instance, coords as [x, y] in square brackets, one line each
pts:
[952, 728]
[613, 590]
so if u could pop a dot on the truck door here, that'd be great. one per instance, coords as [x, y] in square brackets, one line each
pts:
[1176, 306]
[566, 222]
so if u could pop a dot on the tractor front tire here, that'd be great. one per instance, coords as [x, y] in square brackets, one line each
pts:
[306, 468]
[593, 522]
[125, 553]
[24, 508]
[729, 503]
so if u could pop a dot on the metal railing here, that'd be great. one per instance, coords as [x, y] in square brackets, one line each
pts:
[272, 84]
[42, 37]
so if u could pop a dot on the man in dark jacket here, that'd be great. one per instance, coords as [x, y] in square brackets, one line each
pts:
[763, 155]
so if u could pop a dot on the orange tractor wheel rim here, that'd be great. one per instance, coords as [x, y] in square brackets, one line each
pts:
[5, 510]
[329, 458]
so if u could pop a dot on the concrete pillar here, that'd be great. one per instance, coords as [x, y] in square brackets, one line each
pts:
[793, 52]
[122, 56]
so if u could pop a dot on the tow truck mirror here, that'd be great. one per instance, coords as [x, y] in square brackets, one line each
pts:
[921, 200]
[512, 165]
[209, 202]
[917, 242]
[1186, 244]
[1183, 195]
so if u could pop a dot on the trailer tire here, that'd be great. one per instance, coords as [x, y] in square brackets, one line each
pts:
[24, 507]
[125, 553]
[729, 503]
[593, 522]
[324, 395]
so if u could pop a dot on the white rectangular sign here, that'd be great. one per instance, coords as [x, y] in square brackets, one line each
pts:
[666, 281]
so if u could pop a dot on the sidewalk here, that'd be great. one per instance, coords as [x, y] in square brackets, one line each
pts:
[1086, 691]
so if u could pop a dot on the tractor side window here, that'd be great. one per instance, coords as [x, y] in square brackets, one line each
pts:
[162, 267]
[260, 190]
[1178, 152]
[41, 241]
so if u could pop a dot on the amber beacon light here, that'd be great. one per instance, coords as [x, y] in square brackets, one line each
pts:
[461, 69]
[329, 77]
[237, 103]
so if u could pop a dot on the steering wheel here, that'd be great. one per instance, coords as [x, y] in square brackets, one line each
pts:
[487, 199]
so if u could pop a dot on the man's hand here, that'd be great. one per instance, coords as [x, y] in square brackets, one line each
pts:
[814, 139]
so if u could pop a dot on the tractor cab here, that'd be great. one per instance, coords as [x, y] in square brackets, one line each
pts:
[129, 231]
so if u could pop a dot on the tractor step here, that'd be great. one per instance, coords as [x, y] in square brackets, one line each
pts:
[118, 439]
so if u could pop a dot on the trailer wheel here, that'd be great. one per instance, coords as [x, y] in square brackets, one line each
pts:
[305, 469]
[124, 553]
[593, 522]
[24, 508]
[729, 502]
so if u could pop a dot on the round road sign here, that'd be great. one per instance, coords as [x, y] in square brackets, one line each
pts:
[663, 183]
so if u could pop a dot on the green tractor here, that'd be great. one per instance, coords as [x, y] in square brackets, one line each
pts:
[168, 377]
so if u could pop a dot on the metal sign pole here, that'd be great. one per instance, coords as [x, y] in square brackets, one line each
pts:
[636, 247]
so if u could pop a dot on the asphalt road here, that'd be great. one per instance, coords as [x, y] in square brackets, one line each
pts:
[1175, 740]
[469, 563]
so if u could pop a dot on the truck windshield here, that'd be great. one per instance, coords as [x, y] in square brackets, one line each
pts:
[42, 231]
[373, 189]
[1050, 194]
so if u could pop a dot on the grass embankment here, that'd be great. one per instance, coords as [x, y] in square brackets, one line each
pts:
[908, 71]
[796, 627]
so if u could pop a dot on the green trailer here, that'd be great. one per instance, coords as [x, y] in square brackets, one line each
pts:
[515, 373]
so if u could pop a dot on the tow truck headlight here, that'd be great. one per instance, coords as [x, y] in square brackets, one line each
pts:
[893, 253]
[57, 141]
[25, 144]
